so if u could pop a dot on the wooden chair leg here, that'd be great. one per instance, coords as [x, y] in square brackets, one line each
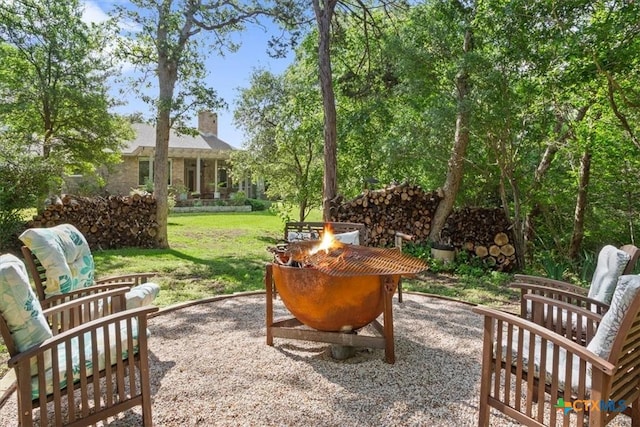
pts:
[635, 413]
[268, 283]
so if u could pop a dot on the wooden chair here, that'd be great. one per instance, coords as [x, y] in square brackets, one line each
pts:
[142, 292]
[79, 362]
[539, 376]
[313, 230]
[611, 264]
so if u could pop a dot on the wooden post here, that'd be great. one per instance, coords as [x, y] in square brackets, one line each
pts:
[388, 288]
[268, 283]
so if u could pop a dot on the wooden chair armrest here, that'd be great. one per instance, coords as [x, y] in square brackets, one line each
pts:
[552, 283]
[491, 316]
[70, 305]
[135, 278]
[72, 313]
[55, 300]
[68, 335]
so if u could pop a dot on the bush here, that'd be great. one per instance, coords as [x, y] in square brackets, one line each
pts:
[257, 204]
[25, 181]
[11, 225]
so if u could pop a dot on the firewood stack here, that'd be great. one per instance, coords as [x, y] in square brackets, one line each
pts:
[106, 222]
[405, 207]
[483, 232]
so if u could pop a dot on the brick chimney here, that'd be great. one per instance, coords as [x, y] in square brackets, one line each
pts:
[208, 123]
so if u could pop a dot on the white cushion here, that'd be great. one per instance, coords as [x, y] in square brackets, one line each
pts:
[626, 291]
[142, 295]
[548, 355]
[350, 238]
[611, 263]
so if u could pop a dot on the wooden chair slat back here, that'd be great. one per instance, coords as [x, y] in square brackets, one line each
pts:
[36, 271]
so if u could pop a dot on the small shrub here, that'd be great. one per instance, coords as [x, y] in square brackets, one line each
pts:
[257, 204]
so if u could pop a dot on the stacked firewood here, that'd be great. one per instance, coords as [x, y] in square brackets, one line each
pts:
[106, 222]
[484, 233]
[406, 208]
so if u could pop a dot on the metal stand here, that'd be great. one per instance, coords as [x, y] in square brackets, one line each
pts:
[292, 328]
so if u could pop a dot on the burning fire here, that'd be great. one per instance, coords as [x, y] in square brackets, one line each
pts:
[327, 243]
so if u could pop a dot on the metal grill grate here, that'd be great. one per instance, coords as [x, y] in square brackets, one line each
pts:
[354, 260]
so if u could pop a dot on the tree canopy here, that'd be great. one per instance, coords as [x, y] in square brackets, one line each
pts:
[53, 83]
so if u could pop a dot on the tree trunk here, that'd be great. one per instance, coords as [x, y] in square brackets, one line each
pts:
[538, 208]
[456, 161]
[329, 183]
[167, 77]
[581, 204]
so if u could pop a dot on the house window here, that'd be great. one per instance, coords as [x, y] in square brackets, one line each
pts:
[145, 170]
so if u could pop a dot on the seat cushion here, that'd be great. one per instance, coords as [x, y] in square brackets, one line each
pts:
[547, 353]
[610, 265]
[64, 253]
[626, 291]
[76, 352]
[20, 308]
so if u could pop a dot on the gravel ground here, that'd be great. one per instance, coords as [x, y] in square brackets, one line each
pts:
[211, 367]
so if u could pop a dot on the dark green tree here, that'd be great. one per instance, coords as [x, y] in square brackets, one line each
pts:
[53, 83]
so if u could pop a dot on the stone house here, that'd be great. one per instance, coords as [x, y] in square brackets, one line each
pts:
[199, 164]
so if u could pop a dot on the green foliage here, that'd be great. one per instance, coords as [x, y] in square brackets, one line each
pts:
[257, 204]
[52, 84]
[284, 137]
[25, 180]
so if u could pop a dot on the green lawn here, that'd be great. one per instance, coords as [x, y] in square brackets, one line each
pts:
[211, 253]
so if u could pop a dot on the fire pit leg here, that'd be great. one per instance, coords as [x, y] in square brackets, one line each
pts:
[388, 288]
[268, 284]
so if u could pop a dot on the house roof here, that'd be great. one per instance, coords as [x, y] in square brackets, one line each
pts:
[206, 146]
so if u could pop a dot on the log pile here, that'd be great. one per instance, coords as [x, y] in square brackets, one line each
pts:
[406, 208]
[484, 233]
[106, 222]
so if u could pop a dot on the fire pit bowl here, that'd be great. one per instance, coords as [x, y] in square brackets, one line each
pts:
[329, 303]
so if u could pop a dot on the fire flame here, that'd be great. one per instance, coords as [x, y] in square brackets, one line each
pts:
[328, 242]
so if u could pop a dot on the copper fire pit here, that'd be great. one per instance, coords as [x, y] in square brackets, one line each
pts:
[330, 303]
[335, 291]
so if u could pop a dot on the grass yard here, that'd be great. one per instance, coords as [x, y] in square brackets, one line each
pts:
[211, 253]
[221, 253]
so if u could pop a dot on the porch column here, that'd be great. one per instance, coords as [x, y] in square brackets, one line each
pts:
[215, 176]
[198, 188]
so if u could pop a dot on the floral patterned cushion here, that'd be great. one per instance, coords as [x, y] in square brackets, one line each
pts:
[626, 291]
[64, 253]
[611, 263]
[75, 356]
[20, 308]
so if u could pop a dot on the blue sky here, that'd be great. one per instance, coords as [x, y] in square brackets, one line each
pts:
[226, 75]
